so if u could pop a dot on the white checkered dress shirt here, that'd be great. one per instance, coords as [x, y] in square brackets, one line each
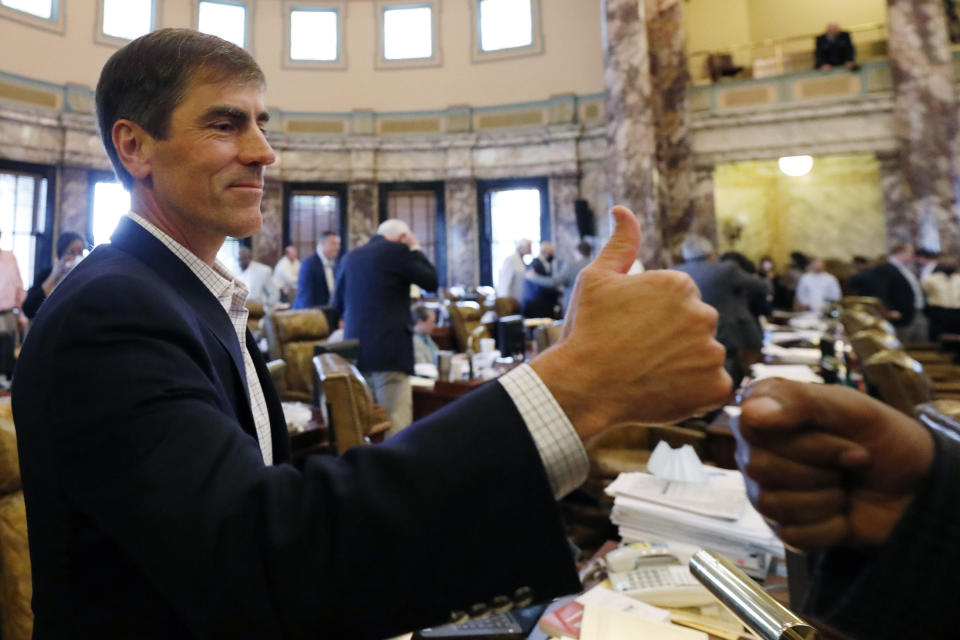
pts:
[557, 441]
[232, 295]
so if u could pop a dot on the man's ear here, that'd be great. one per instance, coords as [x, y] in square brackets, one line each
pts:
[135, 148]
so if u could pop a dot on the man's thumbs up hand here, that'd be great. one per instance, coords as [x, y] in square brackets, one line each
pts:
[635, 348]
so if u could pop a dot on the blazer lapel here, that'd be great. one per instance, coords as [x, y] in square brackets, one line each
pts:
[137, 241]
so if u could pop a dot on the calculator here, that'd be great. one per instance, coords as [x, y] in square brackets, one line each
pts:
[663, 585]
[512, 625]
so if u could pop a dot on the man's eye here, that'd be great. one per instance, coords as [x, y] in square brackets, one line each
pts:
[223, 126]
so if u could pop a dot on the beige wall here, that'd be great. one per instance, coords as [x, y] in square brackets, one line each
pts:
[835, 211]
[572, 61]
[716, 24]
[784, 18]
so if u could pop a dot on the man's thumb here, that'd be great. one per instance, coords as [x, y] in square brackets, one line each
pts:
[622, 247]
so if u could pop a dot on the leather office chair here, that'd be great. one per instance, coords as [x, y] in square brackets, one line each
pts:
[255, 318]
[465, 320]
[16, 587]
[868, 304]
[352, 416]
[870, 341]
[295, 333]
[628, 447]
[899, 380]
[941, 415]
[506, 307]
[547, 334]
[278, 373]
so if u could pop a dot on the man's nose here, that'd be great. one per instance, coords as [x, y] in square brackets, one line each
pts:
[256, 149]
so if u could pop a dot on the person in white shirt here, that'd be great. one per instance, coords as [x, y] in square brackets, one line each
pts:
[286, 273]
[513, 271]
[817, 288]
[258, 279]
[942, 288]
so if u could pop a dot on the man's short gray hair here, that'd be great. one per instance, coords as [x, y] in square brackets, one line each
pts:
[695, 247]
[392, 229]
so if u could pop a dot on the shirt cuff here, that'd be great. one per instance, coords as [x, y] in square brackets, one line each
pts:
[557, 442]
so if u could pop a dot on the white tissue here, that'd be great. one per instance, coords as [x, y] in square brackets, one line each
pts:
[676, 465]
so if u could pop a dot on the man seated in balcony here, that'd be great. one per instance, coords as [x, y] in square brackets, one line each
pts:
[835, 49]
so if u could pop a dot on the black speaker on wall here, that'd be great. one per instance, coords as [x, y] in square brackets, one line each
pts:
[586, 223]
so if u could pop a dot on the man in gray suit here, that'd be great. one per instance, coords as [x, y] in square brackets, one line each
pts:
[725, 287]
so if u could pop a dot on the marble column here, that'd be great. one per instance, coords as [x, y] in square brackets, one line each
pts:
[901, 227]
[564, 191]
[704, 220]
[463, 257]
[74, 201]
[267, 244]
[362, 218]
[631, 120]
[670, 80]
[926, 123]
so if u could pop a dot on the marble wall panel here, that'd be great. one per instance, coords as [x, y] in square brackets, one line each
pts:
[74, 200]
[901, 227]
[631, 119]
[862, 125]
[836, 211]
[268, 242]
[463, 248]
[564, 191]
[704, 206]
[925, 109]
[670, 78]
[362, 217]
[594, 189]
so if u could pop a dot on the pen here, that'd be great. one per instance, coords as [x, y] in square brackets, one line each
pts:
[665, 487]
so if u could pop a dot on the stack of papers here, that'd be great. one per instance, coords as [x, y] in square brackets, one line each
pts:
[782, 355]
[796, 372]
[720, 518]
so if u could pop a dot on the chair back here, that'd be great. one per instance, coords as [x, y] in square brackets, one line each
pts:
[465, 317]
[856, 320]
[870, 341]
[899, 380]
[941, 415]
[296, 333]
[278, 373]
[255, 314]
[547, 334]
[627, 447]
[506, 307]
[352, 415]
[868, 304]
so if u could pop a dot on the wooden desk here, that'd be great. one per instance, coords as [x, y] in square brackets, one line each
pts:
[426, 401]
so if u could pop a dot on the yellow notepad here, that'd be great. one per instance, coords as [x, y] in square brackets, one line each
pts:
[608, 624]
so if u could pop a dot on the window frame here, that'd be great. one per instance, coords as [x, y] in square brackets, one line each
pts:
[55, 22]
[43, 248]
[115, 41]
[337, 6]
[93, 177]
[248, 5]
[535, 48]
[440, 222]
[290, 189]
[485, 224]
[380, 9]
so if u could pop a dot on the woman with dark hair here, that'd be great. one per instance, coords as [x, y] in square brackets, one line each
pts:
[70, 247]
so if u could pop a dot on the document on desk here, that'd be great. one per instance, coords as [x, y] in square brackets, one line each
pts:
[796, 372]
[600, 623]
[715, 498]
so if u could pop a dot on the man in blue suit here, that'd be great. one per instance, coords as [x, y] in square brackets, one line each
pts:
[162, 503]
[318, 274]
[373, 296]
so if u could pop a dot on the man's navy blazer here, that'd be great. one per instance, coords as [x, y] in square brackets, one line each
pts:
[373, 296]
[887, 283]
[152, 515]
[312, 290]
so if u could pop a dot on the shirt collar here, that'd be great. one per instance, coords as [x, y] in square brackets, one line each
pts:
[217, 278]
